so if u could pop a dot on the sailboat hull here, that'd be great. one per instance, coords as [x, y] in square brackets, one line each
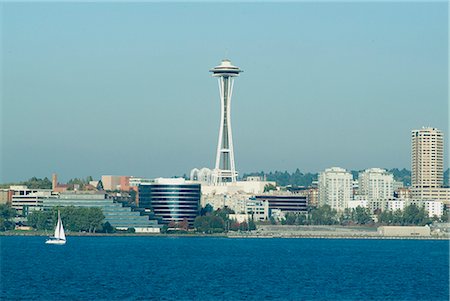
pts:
[55, 241]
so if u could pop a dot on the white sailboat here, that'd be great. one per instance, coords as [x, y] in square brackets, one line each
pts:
[60, 237]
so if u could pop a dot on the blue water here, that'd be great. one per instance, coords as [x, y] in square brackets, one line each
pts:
[143, 268]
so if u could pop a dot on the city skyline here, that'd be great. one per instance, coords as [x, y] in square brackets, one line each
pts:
[326, 85]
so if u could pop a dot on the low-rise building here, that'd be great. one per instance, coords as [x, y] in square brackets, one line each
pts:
[118, 216]
[258, 210]
[405, 231]
[286, 203]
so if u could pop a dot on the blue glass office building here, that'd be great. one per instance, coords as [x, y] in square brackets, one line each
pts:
[171, 202]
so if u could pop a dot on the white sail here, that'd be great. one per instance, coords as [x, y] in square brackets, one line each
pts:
[57, 228]
[62, 235]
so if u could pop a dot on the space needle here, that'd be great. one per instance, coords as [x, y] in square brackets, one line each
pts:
[225, 169]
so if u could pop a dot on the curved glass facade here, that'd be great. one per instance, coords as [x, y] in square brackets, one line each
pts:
[171, 202]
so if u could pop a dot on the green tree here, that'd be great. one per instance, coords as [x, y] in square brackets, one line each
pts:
[362, 216]
[223, 213]
[208, 209]
[412, 215]
[209, 224]
[269, 187]
[323, 215]
[7, 213]
[37, 183]
[41, 220]
[251, 225]
[107, 228]
[290, 219]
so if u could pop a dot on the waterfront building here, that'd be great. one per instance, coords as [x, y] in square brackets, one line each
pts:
[427, 165]
[27, 200]
[434, 208]
[225, 169]
[286, 203]
[258, 210]
[171, 200]
[118, 216]
[376, 184]
[335, 188]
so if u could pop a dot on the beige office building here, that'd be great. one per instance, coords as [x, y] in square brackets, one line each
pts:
[427, 165]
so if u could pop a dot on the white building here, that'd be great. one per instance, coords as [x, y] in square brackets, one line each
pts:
[395, 204]
[357, 202]
[258, 210]
[203, 175]
[335, 188]
[376, 184]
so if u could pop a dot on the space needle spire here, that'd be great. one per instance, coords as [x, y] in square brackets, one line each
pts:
[225, 169]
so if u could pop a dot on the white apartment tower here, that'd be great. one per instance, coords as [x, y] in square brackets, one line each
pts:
[376, 184]
[335, 188]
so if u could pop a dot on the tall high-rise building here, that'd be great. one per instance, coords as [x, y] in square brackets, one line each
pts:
[335, 188]
[225, 169]
[376, 184]
[427, 165]
[427, 158]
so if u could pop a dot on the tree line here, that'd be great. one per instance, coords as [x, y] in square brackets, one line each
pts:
[298, 178]
[46, 183]
[325, 215]
[218, 221]
[74, 219]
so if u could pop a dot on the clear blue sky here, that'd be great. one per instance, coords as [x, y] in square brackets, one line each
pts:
[117, 88]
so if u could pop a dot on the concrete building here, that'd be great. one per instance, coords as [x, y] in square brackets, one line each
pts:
[395, 204]
[427, 158]
[403, 193]
[118, 216]
[6, 196]
[404, 231]
[26, 200]
[238, 187]
[427, 165]
[376, 184]
[121, 183]
[434, 208]
[171, 200]
[357, 202]
[335, 188]
[258, 210]
[286, 203]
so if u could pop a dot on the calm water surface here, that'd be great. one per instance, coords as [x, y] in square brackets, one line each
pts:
[142, 268]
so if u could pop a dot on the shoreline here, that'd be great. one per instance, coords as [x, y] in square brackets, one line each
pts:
[227, 235]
